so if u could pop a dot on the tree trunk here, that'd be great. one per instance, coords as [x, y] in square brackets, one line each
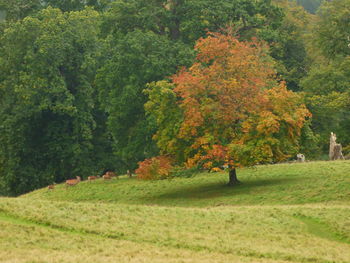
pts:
[174, 26]
[233, 178]
[175, 30]
[332, 142]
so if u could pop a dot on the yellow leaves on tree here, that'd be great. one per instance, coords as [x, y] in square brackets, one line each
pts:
[272, 134]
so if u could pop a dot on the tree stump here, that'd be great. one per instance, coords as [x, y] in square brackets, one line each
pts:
[338, 155]
[335, 149]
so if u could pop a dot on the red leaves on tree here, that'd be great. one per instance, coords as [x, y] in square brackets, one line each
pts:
[154, 168]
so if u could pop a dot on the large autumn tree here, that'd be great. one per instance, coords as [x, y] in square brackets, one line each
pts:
[227, 108]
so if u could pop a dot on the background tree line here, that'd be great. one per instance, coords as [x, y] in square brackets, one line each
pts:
[73, 75]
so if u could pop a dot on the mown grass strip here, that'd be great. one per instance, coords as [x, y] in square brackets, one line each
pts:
[322, 230]
[27, 222]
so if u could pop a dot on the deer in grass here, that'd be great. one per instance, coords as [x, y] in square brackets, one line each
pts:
[91, 178]
[106, 176]
[51, 187]
[129, 173]
[72, 182]
[112, 174]
[109, 175]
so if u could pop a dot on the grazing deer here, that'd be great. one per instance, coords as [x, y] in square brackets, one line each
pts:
[111, 174]
[72, 182]
[91, 178]
[51, 187]
[106, 176]
[129, 173]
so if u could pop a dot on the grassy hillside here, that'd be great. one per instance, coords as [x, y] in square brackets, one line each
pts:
[281, 213]
[272, 184]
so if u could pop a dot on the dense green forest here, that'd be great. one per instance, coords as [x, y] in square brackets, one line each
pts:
[92, 85]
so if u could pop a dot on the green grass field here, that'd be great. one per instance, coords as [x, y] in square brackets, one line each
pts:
[281, 213]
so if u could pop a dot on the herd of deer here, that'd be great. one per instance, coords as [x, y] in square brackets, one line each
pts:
[107, 176]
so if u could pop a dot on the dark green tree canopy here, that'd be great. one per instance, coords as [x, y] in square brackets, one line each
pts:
[47, 99]
[133, 61]
[332, 32]
[327, 83]
[189, 20]
[19, 9]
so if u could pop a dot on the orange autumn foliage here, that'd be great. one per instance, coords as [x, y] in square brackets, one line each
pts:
[224, 85]
[154, 168]
[232, 111]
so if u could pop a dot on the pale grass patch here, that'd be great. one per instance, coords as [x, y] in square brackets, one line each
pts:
[271, 232]
[29, 244]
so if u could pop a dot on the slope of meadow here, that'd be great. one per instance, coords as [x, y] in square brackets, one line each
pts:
[296, 183]
[281, 213]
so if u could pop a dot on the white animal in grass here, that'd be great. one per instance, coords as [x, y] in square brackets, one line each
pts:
[301, 157]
